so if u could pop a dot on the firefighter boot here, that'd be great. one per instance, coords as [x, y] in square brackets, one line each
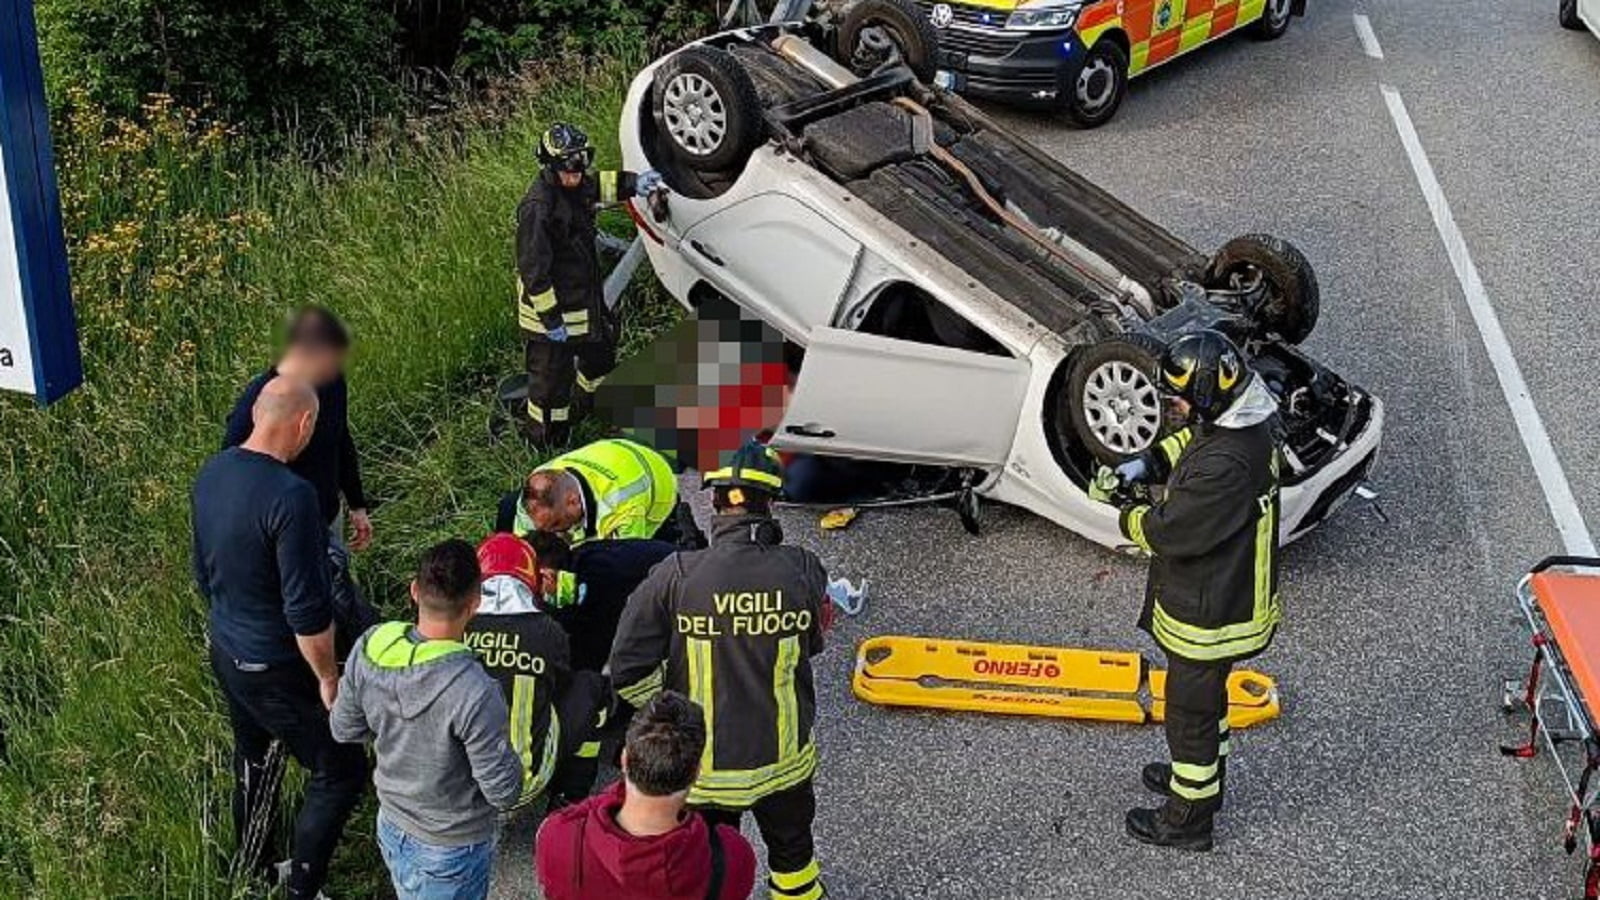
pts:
[1185, 826]
[1157, 779]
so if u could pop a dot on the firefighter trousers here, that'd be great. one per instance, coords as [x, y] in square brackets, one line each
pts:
[562, 379]
[1197, 732]
[785, 821]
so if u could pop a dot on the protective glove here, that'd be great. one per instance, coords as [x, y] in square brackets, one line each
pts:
[1104, 485]
[1133, 471]
[647, 182]
[558, 334]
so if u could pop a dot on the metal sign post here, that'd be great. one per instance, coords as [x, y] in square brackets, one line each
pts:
[38, 330]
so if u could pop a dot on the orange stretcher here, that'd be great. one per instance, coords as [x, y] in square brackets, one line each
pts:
[1017, 679]
[1560, 597]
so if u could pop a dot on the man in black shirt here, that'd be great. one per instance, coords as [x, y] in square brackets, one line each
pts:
[316, 345]
[260, 560]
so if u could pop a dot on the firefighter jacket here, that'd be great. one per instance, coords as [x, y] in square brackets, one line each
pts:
[733, 627]
[527, 654]
[629, 491]
[1212, 594]
[558, 267]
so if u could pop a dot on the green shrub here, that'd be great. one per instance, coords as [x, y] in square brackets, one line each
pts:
[288, 64]
[186, 253]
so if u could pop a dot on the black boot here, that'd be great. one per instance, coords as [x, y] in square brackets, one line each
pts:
[1157, 779]
[1184, 826]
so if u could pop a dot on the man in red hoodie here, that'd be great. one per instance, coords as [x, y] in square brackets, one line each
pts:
[637, 840]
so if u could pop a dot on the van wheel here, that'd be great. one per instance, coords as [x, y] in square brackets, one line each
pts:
[875, 33]
[1293, 300]
[707, 108]
[1096, 89]
[1274, 21]
[1567, 15]
[1111, 397]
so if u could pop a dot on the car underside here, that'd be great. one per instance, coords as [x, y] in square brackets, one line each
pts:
[1112, 285]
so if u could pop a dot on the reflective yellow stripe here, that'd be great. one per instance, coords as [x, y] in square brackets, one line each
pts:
[535, 412]
[743, 787]
[757, 476]
[640, 692]
[589, 385]
[1180, 789]
[1205, 644]
[1173, 445]
[702, 690]
[589, 750]
[1192, 773]
[534, 781]
[805, 884]
[783, 693]
[542, 302]
[608, 187]
[1136, 528]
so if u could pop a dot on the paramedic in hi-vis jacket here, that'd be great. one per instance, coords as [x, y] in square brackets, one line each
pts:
[734, 627]
[1212, 595]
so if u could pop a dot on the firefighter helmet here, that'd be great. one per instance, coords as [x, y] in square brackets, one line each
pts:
[754, 466]
[1206, 369]
[563, 146]
[510, 571]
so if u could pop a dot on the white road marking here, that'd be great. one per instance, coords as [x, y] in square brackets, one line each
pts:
[1369, 39]
[1552, 478]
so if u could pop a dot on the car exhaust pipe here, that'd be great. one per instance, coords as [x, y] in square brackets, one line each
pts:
[821, 66]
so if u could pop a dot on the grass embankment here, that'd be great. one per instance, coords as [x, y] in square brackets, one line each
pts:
[187, 253]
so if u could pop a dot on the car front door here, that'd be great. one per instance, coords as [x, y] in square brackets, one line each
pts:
[870, 397]
[778, 258]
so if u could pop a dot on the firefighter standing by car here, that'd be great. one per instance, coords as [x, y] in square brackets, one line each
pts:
[734, 627]
[569, 332]
[1212, 595]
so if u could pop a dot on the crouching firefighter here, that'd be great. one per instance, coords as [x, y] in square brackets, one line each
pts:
[734, 627]
[570, 334]
[611, 489]
[1212, 595]
[556, 713]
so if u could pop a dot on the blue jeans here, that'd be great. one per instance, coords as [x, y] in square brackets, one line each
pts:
[422, 871]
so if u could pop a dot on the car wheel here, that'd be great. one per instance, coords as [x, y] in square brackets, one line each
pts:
[875, 33]
[1293, 299]
[707, 108]
[1274, 20]
[1567, 15]
[1111, 397]
[1096, 88]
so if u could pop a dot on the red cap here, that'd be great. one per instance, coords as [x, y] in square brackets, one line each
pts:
[507, 554]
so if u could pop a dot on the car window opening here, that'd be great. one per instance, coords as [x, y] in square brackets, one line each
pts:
[906, 312]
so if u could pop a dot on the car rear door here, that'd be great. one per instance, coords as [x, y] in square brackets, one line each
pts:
[778, 258]
[870, 397]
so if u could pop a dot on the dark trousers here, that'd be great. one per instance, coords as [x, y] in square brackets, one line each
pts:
[785, 821]
[582, 709]
[1197, 732]
[282, 703]
[562, 379]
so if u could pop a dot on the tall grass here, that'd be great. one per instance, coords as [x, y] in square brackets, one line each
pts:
[187, 252]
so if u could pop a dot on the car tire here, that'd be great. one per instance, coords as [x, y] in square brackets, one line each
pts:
[1112, 399]
[1567, 15]
[1094, 90]
[1274, 21]
[868, 22]
[1293, 299]
[707, 109]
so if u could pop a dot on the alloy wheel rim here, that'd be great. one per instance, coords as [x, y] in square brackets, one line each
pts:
[1122, 407]
[695, 115]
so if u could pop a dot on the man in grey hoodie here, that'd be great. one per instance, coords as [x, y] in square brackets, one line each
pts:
[440, 730]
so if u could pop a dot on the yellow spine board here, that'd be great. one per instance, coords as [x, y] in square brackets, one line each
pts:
[1017, 679]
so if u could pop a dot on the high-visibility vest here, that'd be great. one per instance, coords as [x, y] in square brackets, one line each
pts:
[632, 486]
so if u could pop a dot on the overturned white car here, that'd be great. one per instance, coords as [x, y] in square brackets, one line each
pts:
[963, 300]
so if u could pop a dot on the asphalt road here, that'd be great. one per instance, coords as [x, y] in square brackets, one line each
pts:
[1382, 777]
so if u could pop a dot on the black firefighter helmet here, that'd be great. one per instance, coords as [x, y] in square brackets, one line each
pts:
[1206, 369]
[754, 467]
[564, 147]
